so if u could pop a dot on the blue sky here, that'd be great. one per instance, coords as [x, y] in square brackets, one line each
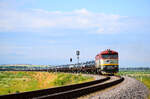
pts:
[49, 32]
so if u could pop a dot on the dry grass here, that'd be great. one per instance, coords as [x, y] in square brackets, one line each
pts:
[19, 81]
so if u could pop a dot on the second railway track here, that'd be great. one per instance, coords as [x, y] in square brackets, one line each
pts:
[69, 91]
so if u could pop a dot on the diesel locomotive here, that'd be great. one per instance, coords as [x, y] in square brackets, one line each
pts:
[106, 62]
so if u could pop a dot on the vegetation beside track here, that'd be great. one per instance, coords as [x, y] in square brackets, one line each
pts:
[21, 81]
[66, 79]
[143, 76]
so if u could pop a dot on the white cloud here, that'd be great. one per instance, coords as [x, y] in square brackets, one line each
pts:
[82, 11]
[38, 20]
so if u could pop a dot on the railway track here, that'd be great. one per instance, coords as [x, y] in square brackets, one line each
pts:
[69, 91]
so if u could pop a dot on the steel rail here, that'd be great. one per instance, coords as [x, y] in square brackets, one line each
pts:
[51, 91]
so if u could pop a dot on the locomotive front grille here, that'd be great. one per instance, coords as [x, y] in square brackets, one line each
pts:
[110, 68]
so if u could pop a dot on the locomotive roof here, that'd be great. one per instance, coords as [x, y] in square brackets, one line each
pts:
[108, 51]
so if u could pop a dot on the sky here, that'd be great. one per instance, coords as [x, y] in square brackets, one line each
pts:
[50, 31]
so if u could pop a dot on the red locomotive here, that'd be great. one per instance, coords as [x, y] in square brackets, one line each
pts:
[107, 62]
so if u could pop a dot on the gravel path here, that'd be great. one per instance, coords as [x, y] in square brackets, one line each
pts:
[97, 77]
[130, 88]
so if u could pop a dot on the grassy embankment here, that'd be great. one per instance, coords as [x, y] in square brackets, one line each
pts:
[143, 76]
[15, 82]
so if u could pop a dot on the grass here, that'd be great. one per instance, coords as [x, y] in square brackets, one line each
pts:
[143, 76]
[19, 81]
[66, 79]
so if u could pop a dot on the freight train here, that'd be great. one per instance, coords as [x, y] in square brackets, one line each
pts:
[105, 62]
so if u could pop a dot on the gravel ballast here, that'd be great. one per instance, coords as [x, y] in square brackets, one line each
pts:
[130, 88]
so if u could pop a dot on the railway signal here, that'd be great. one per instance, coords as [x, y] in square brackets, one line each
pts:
[78, 53]
[70, 59]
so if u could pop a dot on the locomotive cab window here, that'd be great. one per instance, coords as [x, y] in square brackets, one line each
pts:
[109, 56]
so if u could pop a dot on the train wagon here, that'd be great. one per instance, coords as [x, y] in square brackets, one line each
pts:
[106, 62]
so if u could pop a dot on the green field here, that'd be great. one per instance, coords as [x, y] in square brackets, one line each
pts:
[143, 76]
[19, 81]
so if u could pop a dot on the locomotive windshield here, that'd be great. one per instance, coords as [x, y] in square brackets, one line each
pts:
[109, 56]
